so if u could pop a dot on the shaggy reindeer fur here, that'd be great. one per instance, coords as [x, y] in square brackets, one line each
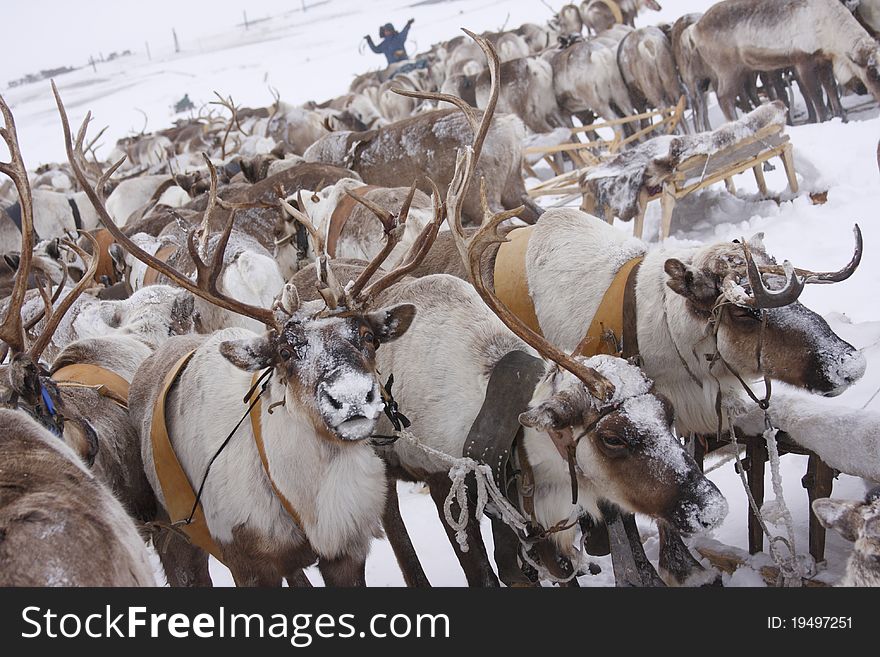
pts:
[59, 525]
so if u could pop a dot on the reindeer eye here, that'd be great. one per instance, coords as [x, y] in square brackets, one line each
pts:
[612, 442]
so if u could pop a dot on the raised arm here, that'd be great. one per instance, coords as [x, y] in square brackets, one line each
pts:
[373, 46]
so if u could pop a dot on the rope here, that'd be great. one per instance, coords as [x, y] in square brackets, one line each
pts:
[791, 572]
[487, 491]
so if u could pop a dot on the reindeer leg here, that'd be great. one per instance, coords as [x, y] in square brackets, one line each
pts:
[346, 571]
[474, 562]
[297, 578]
[631, 565]
[185, 564]
[829, 84]
[507, 556]
[401, 544]
[678, 565]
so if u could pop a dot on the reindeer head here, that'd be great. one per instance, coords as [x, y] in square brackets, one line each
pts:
[858, 522]
[625, 448]
[327, 363]
[865, 62]
[760, 331]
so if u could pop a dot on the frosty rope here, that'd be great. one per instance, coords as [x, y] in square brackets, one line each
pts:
[487, 490]
[790, 570]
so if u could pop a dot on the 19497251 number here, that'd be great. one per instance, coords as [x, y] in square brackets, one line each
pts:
[810, 622]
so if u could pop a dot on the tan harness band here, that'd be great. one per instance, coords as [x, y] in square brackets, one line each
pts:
[511, 282]
[151, 275]
[105, 263]
[608, 320]
[512, 288]
[176, 487]
[109, 384]
[256, 427]
[340, 216]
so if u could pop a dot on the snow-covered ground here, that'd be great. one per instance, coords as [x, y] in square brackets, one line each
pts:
[314, 54]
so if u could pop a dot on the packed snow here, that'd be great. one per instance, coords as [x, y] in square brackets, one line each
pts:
[314, 53]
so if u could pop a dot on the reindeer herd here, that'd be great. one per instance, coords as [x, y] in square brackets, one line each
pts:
[237, 335]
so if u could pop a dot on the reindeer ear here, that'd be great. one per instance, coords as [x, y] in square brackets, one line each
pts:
[756, 241]
[249, 354]
[390, 323]
[838, 515]
[690, 282]
[545, 416]
[117, 255]
[82, 439]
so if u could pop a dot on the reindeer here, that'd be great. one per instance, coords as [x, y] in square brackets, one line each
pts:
[620, 450]
[677, 293]
[345, 224]
[423, 147]
[696, 77]
[527, 92]
[311, 488]
[858, 522]
[736, 37]
[586, 78]
[60, 525]
[601, 15]
[648, 69]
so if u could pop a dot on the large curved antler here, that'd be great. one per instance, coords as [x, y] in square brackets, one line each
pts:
[472, 250]
[11, 330]
[796, 279]
[205, 285]
[826, 277]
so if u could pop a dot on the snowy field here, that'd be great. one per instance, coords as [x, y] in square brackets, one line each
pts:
[314, 54]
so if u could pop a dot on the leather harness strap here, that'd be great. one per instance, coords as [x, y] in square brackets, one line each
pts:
[340, 216]
[151, 275]
[176, 487]
[606, 329]
[105, 263]
[511, 281]
[74, 209]
[256, 427]
[630, 330]
[108, 383]
[615, 312]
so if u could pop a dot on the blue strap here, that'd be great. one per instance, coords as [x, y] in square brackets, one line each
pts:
[47, 400]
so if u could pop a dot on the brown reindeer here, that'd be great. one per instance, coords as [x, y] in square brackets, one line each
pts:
[736, 37]
[424, 147]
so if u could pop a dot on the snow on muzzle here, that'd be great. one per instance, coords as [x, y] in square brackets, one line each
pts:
[350, 404]
[702, 506]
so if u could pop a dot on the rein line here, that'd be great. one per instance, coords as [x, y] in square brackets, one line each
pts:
[263, 379]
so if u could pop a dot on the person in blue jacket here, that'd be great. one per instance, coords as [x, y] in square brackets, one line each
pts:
[393, 42]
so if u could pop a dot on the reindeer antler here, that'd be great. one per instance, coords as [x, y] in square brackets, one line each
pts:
[472, 250]
[796, 279]
[205, 285]
[54, 316]
[11, 331]
[359, 295]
